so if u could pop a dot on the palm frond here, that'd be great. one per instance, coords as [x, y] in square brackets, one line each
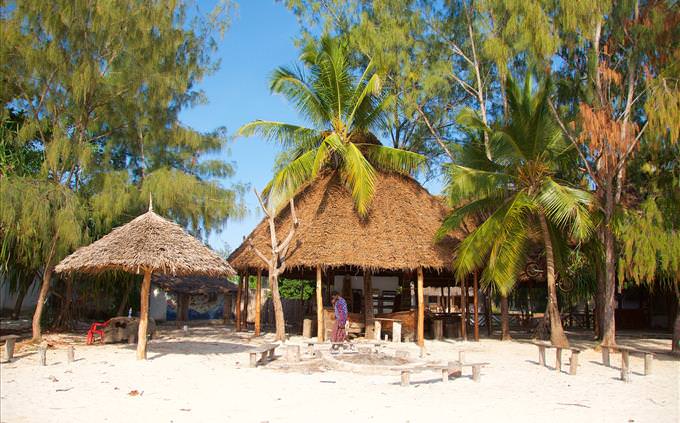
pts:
[456, 218]
[567, 207]
[370, 90]
[290, 178]
[468, 183]
[360, 178]
[392, 159]
[292, 85]
[291, 136]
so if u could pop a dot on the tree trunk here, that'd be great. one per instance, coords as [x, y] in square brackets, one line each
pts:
[609, 306]
[421, 308]
[124, 300]
[368, 305]
[143, 316]
[505, 319]
[258, 303]
[599, 300]
[557, 336]
[42, 297]
[319, 306]
[676, 327]
[278, 307]
[19, 301]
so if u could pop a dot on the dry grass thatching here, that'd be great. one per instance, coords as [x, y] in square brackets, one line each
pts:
[147, 242]
[398, 233]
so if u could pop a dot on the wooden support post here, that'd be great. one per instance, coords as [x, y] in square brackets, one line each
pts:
[226, 308]
[258, 303]
[463, 308]
[307, 328]
[246, 298]
[70, 354]
[421, 309]
[649, 357]
[377, 328]
[405, 377]
[10, 341]
[438, 329]
[461, 357]
[319, 306]
[476, 370]
[445, 375]
[368, 305]
[487, 307]
[625, 369]
[42, 353]
[558, 359]
[476, 305]
[143, 315]
[253, 359]
[541, 355]
[605, 356]
[396, 332]
[573, 362]
[239, 295]
[455, 368]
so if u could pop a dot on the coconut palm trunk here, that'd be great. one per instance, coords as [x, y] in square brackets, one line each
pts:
[557, 336]
[505, 319]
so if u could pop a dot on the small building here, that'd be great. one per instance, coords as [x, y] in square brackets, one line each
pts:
[391, 253]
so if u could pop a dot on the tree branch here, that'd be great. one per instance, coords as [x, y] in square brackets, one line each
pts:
[258, 253]
[572, 139]
[434, 132]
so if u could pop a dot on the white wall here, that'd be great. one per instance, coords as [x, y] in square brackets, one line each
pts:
[158, 305]
[7, 300]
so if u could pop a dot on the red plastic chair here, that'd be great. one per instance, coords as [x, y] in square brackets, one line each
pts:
[97, 328]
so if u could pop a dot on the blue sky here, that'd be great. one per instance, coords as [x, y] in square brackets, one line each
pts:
[260, 38]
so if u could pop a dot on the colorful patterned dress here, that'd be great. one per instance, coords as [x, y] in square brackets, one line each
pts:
[340, 320]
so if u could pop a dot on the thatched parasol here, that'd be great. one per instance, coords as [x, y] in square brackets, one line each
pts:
[149, 244]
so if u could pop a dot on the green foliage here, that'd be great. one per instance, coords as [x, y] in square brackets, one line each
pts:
[296, 289]
[343, 110]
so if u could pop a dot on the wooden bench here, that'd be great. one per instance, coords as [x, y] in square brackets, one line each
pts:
[625, 359]
[573, 360]
[396, 328]
[452, 369]
[10, 341]
[267, 354]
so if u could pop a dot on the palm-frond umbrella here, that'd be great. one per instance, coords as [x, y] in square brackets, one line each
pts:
[148, 244]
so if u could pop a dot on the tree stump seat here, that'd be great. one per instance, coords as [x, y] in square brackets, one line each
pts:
[625, 359]
[266, 352]
[10, 341]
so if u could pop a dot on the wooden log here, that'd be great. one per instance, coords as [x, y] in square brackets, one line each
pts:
[70, 354]
[605, 356]
[455, 368]
[421, 309]
[445, 375]
[143, 315]
[405, 377]
[541, 355]
[476, 371]
[476, 305]
[319, 306]
[307, 328]
[258, 305]
[438, 329]
[558, 359]
[292, 353]
[396, 332]
[573, 362]
[625, 369]
[649, 357]
[42, 354]
[253, 359]
[377, 329]
[10, 341]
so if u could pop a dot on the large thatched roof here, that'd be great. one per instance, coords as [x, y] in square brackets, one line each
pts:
[147, 242]
[398, 233]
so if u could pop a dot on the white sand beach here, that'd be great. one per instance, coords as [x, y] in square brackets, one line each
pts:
[203, 376]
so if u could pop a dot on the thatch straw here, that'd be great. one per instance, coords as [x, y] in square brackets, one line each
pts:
[398, 233]
[147, 242]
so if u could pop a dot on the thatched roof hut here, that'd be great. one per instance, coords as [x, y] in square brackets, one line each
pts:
[148, 244]
[397, 235]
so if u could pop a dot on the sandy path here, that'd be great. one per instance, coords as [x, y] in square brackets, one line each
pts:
[203, 377]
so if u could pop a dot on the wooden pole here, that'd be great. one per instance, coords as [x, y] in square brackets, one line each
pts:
[226, 308]
[421, 309]
[319, 306]
[476, 304]
[246, 296]
[463, 308]
[143, 315]
[238, 303]
[258, 303]
[487, 307]
[368, 305]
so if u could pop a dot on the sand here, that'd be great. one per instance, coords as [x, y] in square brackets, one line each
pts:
[203, 376]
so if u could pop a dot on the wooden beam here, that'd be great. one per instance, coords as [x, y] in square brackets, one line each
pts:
[475, 294]
[143, 315]
[319, 305]
[368, 305]
[239, 294]
[258, 303]
[421, 309]
[246, 297]
[463, 308]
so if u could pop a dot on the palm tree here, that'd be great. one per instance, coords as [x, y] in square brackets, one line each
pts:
[519, 195]
[341, 109]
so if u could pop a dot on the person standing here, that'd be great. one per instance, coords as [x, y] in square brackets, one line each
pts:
[340, 309]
